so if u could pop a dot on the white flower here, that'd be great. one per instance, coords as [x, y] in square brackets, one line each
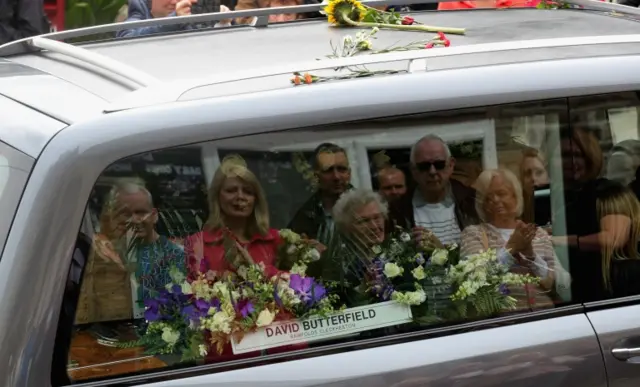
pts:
[410, 298]
[170, 336]
[292, 249]
[392, 270]
[220, 322]
[436, 280]
[243, 271]
[453, 246]
[186, 288]
[376, 250]
[418, 273]
[315, 254]
[405, 237]
[419, 259]
[299, 269]
[202, 350]
[265, 318]
[221, 289]
[289, 236]
[439, 257]
[176, 275]
[347, 40]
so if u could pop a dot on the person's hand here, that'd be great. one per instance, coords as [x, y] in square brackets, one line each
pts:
[521, 240]
[183, 7]
[318, 246]
[425, 237]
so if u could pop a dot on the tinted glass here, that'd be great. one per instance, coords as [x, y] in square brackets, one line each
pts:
[248, 247]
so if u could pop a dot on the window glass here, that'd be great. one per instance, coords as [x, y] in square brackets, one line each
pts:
[270, 236]
[14, 171]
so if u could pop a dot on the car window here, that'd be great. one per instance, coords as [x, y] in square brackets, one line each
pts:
[14, 171]
[248, 247]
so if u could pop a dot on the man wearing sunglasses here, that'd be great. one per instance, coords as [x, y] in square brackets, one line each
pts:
[440, 207]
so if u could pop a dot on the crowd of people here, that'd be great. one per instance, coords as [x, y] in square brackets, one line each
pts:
[602, 224]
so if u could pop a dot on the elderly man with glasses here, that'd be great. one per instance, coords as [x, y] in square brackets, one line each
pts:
[440, 207]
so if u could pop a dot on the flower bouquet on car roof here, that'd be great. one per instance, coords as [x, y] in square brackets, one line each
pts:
[481, 285]
[412, 273]
[193, 317]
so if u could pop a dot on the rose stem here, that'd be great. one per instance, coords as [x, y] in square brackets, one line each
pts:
[424, 28]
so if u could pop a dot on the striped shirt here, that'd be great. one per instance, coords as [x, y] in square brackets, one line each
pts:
[440, 218]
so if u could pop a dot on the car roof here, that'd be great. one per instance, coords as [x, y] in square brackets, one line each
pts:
[76, 90]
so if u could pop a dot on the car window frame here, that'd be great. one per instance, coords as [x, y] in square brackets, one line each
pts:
[178, 372]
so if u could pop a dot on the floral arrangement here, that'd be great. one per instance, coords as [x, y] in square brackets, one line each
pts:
[405, 271]
[191, 317]
[352, 13]
[362, 43]
[481, 285]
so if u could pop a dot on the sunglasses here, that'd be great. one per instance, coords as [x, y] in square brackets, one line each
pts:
[336, 168]
[425, 166]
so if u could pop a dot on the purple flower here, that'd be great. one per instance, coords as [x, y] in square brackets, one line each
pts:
[152, 310]
[307, 289]
[504, 289]
[190, 312]
[420, 259]
[202, 305]
[163, 297]
[176, 289]
[245, 307]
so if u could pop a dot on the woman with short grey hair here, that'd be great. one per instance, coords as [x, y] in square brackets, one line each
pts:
[360, 215]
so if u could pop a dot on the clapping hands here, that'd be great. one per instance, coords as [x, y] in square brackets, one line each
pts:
[520, 242]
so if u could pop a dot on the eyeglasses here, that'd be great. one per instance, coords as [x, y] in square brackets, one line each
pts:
[425, 166]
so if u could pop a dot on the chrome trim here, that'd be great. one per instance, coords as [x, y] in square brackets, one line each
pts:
[174, 90]
[98, 60]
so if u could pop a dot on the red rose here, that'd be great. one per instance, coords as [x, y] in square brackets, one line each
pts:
[408, 20]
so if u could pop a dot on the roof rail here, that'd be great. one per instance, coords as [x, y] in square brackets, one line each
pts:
[173, 91]
[262, 19]
[98, 60]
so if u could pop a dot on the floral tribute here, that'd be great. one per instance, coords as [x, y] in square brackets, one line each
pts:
[193, 316]
[352, 13]
[362, 43]
[403, 270]
[481, 285]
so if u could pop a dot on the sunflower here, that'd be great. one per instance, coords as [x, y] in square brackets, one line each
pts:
[345, 12]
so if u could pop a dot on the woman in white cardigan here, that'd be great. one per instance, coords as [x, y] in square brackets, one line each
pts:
[526, 248]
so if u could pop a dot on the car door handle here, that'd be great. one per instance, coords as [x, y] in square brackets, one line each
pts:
[625, 354]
